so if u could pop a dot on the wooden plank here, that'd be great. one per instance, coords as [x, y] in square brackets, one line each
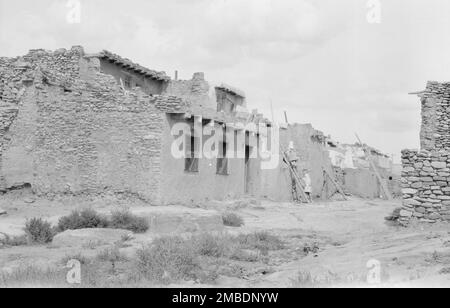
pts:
[383, 184]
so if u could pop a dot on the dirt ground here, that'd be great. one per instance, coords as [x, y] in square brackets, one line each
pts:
[328, 244]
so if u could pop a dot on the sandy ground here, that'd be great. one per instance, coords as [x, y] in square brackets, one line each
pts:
[347, 236]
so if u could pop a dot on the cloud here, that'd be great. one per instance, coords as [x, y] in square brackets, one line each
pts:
[318, 59]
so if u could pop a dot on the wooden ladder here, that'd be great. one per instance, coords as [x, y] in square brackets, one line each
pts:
[300, 185]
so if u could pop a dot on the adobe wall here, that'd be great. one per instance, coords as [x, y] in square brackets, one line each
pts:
[181, 187]
[426, 173]
[74, 131]
[276, 183]
[362, 183]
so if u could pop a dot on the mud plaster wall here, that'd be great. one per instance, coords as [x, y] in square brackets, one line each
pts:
[76, 135]
[181, 187]
[361, 183]
[276, 183]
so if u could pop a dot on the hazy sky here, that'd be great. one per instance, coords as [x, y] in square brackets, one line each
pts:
[321, 60]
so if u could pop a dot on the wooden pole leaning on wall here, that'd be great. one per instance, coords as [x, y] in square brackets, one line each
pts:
[286, 118]
[384, 187]
[296, 178]
[338, 187]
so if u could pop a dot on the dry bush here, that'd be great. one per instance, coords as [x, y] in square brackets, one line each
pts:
[113, 256]
[15, 241]
[39, 231]
[127, 221]
[86, 219]
[168, 259]
[232, 220]
[262, 241]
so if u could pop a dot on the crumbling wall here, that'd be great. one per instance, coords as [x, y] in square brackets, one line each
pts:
[196, 91]
[77, 132]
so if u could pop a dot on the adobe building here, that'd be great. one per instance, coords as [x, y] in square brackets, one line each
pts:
[355, 173]
[75, 123]
[426, 173]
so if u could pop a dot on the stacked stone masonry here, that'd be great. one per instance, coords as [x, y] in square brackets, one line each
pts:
[426, 173]
[435, 133]
[426, 186]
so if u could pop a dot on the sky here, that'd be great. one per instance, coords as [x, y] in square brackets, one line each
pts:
[344, 66]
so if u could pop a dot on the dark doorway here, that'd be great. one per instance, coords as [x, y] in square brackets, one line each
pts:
[247, 173]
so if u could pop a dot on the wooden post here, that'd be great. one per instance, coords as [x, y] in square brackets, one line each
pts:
[383, 184]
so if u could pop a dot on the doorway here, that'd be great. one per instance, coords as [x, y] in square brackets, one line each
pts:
[247, 173]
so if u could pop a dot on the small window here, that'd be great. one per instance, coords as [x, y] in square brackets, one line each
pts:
[191, 161]
[222, 161]
[127, 82]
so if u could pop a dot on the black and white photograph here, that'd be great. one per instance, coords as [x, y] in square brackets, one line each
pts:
[224, 151]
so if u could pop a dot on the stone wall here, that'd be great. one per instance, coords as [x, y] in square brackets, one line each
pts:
[67, 128]
[426, 189]
[426, 173]
[435, 132]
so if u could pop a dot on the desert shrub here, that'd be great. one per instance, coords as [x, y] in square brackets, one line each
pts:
[236, 253]
[232, 220]
[113, 256]
[127, 221]
[15, 241]
[86, 219]
[210, 246]
[262, 241]
[39, 231]
[167, 259]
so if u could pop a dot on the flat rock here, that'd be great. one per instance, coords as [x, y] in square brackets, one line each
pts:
[439, 165]
[178, 219]
[29, 200]
[3, 212]
[406, 214]
[409, 191]
[90, 237]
